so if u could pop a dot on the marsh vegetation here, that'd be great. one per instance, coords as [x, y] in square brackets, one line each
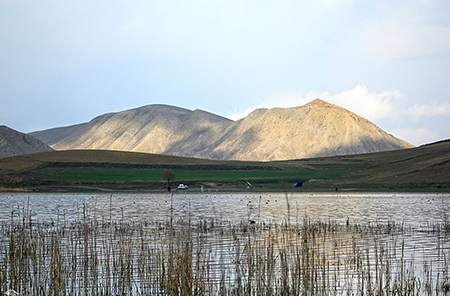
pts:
[103, 252]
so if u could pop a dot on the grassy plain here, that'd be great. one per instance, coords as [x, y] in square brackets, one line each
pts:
[95, 174]
[424, 168]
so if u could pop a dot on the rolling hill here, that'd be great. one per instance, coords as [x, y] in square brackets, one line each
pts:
[315, 129]
[423, 168]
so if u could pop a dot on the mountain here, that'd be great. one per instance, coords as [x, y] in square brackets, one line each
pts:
[315, 129]
[157, 129]
[13, 143]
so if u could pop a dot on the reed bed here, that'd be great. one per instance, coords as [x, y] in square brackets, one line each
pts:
[100, 256]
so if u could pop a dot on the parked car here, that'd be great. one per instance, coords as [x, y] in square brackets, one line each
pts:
[182, 187]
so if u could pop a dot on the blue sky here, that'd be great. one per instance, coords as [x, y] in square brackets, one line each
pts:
[65, 62]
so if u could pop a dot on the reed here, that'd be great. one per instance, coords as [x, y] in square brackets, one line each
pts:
[99, 256]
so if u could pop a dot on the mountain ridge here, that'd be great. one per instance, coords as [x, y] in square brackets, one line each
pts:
[315, 129]
[14, 143]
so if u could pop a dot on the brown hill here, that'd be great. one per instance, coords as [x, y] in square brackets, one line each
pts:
[418, 169]
[316, 129]
[425, 164]
[14, 143]
[153, 129]
[91, 157]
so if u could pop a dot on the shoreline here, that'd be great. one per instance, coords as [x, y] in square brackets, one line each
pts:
[96, 189]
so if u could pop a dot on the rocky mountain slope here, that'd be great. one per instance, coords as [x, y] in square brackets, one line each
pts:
[157, 129]
[14, 143]
[315, 129]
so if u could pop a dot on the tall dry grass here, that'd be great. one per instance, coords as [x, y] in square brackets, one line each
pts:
[100, 256]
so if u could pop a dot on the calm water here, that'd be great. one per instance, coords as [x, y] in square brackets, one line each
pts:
[414, 250]
[412, 209]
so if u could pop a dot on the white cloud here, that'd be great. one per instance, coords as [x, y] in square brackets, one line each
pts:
[416, 136]
[429, 110]
[370, 105]
[359, 100]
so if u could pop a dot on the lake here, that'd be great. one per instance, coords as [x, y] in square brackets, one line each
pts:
[409, 208]
[224, 243]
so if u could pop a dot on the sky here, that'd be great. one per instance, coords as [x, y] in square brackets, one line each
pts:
[66, 62]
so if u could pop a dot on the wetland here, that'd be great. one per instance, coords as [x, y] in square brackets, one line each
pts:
[224, 243]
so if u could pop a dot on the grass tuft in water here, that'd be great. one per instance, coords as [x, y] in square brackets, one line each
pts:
[100, 256]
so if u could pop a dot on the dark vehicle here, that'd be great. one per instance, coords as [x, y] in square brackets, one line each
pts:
[298, 184]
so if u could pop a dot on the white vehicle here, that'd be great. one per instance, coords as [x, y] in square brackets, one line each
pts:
[182, 187]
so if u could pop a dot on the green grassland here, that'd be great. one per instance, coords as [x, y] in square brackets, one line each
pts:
[94, 174]
[425, 168]
[151, 177]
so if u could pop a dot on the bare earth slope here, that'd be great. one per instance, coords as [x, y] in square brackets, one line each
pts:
[14, 143]
[157, 129]
[315, 129]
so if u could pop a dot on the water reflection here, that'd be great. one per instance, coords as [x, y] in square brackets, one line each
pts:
[412, 209]
[247, 244]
